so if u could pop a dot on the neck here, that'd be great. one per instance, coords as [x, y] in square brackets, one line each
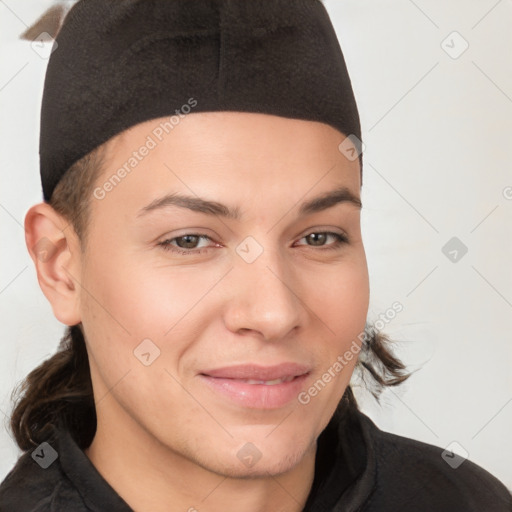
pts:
[149, 475]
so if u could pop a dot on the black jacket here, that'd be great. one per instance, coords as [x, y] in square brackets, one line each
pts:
[358, 468]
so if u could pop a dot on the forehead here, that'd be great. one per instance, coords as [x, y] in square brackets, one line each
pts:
[227, 154]
[227, 131]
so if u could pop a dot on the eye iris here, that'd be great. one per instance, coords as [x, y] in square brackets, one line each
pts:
[317, 237]
[191, 241]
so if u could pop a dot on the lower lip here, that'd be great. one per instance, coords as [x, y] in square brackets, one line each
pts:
[257, 396]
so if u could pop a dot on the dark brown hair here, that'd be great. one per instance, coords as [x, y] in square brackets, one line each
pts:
[59, 391]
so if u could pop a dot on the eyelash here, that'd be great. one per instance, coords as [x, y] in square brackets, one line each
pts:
[166, 246]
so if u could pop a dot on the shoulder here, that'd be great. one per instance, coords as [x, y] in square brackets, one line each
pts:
[413, 473]
[28, 487]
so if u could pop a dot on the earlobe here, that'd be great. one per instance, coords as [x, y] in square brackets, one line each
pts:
[52, 245]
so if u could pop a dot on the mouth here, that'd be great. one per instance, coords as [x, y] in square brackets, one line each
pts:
[267, 382]
[257, 387]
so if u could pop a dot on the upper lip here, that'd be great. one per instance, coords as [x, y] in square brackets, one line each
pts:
[258, 372]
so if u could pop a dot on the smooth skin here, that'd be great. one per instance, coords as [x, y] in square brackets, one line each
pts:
[166, 441]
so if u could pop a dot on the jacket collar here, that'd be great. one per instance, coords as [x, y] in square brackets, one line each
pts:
[345, 468]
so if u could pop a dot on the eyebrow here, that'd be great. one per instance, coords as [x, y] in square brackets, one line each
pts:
[197, 204]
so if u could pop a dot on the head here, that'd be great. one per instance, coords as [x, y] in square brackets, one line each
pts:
[273, 285]
[231, 239]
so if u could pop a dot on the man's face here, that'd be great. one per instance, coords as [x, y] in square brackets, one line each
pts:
[172, 300]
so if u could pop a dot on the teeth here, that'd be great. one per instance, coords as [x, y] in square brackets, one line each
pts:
[268, 382]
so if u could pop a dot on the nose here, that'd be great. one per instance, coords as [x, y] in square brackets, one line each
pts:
[264, 297]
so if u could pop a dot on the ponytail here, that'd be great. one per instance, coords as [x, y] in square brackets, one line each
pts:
[56, 393]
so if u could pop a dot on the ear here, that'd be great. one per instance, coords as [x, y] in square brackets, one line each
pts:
[54, 249]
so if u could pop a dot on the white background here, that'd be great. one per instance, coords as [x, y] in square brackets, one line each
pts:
[437, 164]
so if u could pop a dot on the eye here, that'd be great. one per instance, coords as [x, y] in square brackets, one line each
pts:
[188, 244]
[319, 237]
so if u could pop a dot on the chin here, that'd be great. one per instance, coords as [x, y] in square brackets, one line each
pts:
[271, 462]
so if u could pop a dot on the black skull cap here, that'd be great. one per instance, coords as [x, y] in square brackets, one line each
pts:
[117, 63]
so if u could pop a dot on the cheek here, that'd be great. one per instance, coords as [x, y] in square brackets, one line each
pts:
[340, 298]
[130, 299]
[120, 291]
[118, 311]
